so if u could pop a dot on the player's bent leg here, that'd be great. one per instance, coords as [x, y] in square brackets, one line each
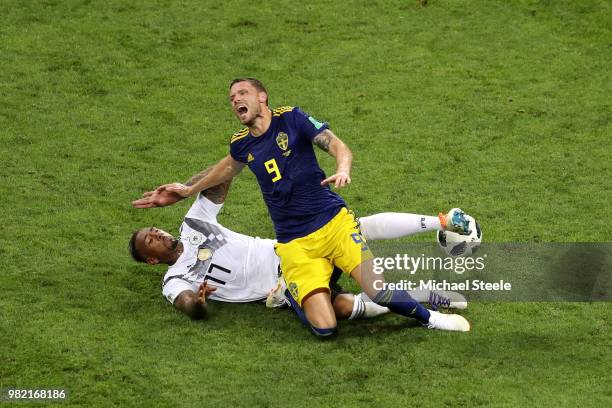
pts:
[324, 332]
[319, 312]
[400, 302]
[307, 274]
[352, 307]
[397, 301]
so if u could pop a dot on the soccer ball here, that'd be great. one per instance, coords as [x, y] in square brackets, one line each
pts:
[454, 244]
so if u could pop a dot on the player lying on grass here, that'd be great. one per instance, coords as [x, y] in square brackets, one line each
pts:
[315, 231]
[209, 260]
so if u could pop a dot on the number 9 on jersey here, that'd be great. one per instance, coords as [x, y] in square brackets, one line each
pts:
[272, 168]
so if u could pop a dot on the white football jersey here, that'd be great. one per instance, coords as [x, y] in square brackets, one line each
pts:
[242, 268]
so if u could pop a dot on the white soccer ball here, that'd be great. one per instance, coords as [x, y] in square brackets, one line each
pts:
[454, 244]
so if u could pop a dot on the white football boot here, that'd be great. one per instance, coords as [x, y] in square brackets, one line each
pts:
[276, 298]
[446, 299]
[452, 322]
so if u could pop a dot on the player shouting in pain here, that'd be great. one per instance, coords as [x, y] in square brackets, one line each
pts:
[314, 229]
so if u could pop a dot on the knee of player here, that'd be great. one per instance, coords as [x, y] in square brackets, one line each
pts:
[324, 333]
[323, 326]
[325, 320]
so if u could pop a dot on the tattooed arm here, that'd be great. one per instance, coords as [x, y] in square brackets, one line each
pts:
[329, 142]
[164, 197]
[215, 194]
[220, 173]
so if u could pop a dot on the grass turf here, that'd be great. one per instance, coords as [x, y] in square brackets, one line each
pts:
[500, 107]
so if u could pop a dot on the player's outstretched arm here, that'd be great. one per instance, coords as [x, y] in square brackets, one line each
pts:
[168, 194]
[329, 142]
[216, 194]
[194, 304]
[222, 172]
[163, 198]
[156, 198]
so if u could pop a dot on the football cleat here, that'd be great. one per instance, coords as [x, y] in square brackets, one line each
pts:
[446, 299]
[455, 221]
[452, 322]
[276, 298]
[439, 298]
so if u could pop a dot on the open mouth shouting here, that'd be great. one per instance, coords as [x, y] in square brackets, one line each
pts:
[242, 110]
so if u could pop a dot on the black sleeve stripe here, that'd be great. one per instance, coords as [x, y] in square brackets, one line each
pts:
[174, 277]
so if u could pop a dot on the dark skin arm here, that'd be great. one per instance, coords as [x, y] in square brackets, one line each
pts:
[216, 194]
[194, 304]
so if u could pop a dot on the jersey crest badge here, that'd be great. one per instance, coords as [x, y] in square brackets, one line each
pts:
[196, 238]
[204, 254]
[293, 289]
[282, 140]
[250, 158]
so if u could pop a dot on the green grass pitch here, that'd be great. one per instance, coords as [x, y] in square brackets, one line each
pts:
[500, 107]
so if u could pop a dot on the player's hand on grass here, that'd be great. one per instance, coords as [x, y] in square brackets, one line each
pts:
[203, 292]
[157, 198]
[339, 179]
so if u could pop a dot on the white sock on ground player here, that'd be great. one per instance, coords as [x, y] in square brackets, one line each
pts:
[358, 308]
[397, 225]
[373, 310]
[363, 307]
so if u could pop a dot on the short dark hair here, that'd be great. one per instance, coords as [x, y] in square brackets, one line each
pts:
[137, 256]
[253, 81]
